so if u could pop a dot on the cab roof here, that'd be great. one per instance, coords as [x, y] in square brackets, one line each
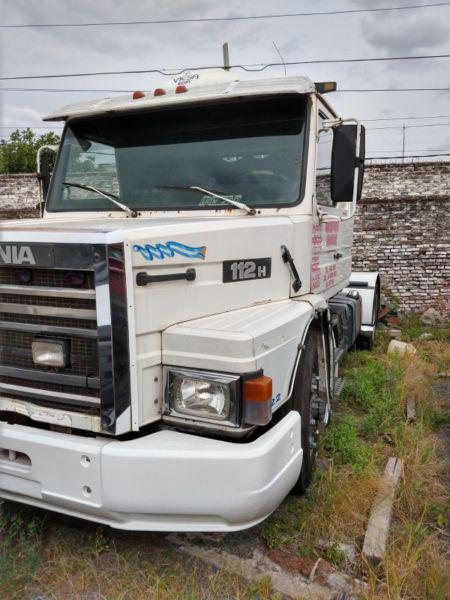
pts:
[198, 85]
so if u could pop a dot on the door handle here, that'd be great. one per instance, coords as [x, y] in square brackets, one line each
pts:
[144, 278]
[287, 258]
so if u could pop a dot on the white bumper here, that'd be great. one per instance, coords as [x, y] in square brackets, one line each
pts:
[166, 481]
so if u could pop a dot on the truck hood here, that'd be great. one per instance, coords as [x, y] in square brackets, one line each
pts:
[237, 263]
[109, 229]
[171, 245]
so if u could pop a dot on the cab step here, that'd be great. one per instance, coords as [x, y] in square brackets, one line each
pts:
[338, 387]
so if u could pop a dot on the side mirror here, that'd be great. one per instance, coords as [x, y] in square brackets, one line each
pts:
[347, 162]
[44, 170]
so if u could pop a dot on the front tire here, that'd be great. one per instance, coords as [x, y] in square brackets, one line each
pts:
[305, 401]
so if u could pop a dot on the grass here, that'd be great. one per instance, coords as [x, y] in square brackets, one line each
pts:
[20, 540]
[368, 427]
[44, 554]
[48, 555]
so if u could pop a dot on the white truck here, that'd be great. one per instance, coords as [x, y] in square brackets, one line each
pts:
[171, 328]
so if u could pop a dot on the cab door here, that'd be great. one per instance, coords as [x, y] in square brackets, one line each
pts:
[332, 231]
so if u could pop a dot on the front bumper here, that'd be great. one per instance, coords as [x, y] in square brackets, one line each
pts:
[166, 481]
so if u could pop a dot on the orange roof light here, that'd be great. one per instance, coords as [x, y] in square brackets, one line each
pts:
[159, 92]
[180, 89]
[138, 94]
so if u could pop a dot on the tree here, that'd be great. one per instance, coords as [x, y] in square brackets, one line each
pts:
[18, 153]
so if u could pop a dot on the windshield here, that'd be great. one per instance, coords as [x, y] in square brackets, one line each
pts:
[250, 151]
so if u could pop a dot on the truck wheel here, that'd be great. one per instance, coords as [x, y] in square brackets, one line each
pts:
[304, 401]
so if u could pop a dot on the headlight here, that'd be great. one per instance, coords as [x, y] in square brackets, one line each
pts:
[50, 353]
[203, 395]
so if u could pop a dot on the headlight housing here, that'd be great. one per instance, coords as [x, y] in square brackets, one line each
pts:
[206, 396]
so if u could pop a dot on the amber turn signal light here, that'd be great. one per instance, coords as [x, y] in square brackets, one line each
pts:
[257, 395]
[258, 389]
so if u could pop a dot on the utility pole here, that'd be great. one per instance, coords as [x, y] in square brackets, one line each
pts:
[403, 142]
[226, 57]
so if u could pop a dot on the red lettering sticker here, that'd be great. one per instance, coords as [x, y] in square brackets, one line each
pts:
[332, 240]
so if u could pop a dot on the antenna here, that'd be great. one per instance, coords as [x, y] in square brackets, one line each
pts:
[226, 57]
[281, 56]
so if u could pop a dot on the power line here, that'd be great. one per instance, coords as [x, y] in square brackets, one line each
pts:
[430, 89]
[99, 91]
[255, 67]
[29, 126]
[221, 19]
[407, 118]
[407, 156]
[408, 126]
[363, 120]
[417, 150]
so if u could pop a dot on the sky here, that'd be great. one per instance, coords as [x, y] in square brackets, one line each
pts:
[45, 51]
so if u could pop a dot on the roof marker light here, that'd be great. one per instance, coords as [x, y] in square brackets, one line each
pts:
[138, 94]
[180, 89]
[159, 92]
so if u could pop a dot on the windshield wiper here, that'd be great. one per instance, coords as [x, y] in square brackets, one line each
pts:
[196, 188]
[111, 197]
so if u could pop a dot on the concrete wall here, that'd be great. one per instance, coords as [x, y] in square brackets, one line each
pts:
[402, 229]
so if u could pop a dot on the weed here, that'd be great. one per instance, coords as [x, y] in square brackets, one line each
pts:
[101, 541]
[270, 533]
[369, 426]
[412, 327]
[20, 537]
[369, 389]
[335, 555]
[344, 445]
[304, 551]
[437, 419]
[264, 587]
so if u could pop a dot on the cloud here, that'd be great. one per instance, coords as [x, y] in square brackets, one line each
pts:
[406, 37]
[71, 50]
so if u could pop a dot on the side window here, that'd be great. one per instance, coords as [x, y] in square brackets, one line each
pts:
[323, 167]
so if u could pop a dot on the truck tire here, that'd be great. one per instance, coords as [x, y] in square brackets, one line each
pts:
[302, 401]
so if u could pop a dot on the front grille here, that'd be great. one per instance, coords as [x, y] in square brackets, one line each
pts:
[51, 387]
[15, 350]
[48, 301]
[49, 321]
[46, 307]
[45, 277]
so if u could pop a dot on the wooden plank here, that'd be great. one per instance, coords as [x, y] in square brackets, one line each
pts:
[411, 409]
[377, 531]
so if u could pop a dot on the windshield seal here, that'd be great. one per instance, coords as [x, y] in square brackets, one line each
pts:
[304, 147]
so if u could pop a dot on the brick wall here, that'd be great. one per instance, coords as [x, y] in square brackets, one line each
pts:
[402, 229]
[18, 194]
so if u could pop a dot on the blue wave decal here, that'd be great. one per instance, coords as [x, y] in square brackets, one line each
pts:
[169, 250]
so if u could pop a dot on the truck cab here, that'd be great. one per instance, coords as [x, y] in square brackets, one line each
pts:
[171, 328]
